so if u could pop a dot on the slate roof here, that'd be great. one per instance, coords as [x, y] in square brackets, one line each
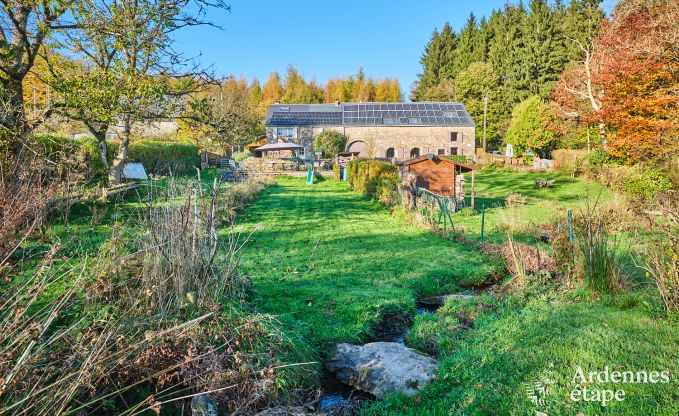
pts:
[369, 114]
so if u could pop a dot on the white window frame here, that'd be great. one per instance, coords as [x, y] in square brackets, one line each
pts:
[292, 132]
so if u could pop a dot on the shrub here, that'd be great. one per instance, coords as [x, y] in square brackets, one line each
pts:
[661, 258]
[374, 178]
[336, 171]
[600, 157]
[647, 183]
[238, 156]
[181, 156]
[330, 142]
[457, 158]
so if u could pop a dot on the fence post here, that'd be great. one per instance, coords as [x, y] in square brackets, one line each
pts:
[483, 219]
[472, 190]
[570, 226]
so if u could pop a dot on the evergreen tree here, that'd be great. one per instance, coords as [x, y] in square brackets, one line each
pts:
[468, 47]
[545, 52]
[437, 61]
[580, 23]
[506, 52]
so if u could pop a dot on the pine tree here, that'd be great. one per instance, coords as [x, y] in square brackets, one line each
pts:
[580, 23]
[545, 53]
[437, 61]
[468, 47]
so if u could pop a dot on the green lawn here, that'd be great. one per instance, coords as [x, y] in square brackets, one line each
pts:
[331, 264]
[542, 206]
[486, 369]
[334, 264]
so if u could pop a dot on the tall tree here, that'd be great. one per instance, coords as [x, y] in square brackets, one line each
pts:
[437, 61]
[469, 48]
[477, 88]
[24, 27]
[545, 52]
[272, 90]
[131, 72]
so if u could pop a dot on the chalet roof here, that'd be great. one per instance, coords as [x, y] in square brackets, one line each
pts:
[369, 114]
[464, 167]
[280, 146]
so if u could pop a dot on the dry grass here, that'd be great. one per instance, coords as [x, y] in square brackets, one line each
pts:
[145, 325]
[661, 259]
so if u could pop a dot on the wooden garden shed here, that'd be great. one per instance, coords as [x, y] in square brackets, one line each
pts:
[438, 175]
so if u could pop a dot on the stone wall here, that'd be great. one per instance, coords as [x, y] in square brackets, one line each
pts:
[403, 139]
[304, 138]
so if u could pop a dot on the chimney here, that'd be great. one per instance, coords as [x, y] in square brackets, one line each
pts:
[277, 102]
[337, 102]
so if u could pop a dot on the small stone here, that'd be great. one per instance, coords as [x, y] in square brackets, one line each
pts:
[203, 405]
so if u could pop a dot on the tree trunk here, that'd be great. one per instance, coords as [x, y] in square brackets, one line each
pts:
[115, 172]
[14, 119]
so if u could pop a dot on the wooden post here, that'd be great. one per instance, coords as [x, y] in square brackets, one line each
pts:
[472, 189]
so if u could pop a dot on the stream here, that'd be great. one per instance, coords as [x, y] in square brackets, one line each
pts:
[337, 397]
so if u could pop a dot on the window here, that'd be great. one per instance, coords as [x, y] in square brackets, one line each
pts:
[390, 153]
[441, 152]
[286, 132]
[453, 136]
[415, 152]
[454, 151]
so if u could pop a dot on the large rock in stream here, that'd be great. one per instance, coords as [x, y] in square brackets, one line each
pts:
[381, 368]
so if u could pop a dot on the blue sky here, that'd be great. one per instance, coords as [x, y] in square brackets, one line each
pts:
[325, 39]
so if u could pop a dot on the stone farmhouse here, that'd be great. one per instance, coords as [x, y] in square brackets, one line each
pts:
[383, 130]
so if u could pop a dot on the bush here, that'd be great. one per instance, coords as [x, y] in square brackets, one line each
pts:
[182, 156]
[600, 157]
[240, 156]
[330, 142]
[336, 171]
[457, 158]
[375, 179]
[647, 183]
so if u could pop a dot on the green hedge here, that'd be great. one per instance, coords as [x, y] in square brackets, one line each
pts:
[375, 179]
[181, 156]
[457, 158]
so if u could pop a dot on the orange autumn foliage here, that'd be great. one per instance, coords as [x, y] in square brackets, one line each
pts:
[633, 74]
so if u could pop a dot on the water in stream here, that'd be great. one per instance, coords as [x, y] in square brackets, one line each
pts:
[337, 397]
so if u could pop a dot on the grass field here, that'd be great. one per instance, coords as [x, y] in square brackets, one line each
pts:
[542, 205]
[331, 265]
[336, 264]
